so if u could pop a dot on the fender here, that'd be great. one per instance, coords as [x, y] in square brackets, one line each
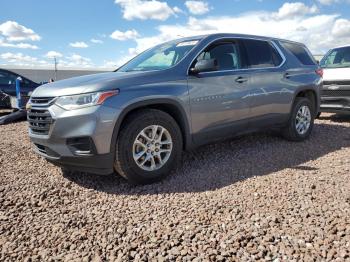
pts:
[313, 89]
[184, 125]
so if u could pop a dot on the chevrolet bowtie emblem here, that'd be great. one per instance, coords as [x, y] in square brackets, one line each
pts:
[334, 87]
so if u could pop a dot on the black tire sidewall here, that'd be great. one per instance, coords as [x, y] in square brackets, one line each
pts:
[130, 169]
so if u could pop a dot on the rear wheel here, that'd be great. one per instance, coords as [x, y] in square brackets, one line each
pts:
[149, 146]
[301, 121]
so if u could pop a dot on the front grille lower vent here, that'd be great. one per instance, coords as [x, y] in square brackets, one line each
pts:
[337, 82]
[336, 93]
[40, 121]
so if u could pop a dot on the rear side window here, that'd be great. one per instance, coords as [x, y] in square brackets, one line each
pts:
[261, 54]
[299, 52]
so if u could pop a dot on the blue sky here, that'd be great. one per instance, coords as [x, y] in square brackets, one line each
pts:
[106, 33]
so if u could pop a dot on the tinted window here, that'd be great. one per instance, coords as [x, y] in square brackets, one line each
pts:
[226, 55]
[300, 52]
[261, 54]
[7, 78]
[337, 58]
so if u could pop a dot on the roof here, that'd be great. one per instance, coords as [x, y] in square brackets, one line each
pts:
[234, 35]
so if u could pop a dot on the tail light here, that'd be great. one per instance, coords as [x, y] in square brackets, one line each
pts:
[319, 71]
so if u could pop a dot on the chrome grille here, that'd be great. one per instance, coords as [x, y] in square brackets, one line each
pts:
[39, 120]
[41, 100]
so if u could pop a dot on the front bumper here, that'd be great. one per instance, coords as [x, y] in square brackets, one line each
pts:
[93, 124]
[335, 97]
[335, 105]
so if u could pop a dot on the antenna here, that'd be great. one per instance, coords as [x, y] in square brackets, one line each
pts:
[55, 60]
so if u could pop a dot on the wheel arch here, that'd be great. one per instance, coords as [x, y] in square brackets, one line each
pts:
[311, 94]
[170, 106]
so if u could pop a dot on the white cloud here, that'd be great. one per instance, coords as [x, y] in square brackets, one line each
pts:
[143, 9]
[328, 2]
[178, 10]
[121, 36]
[96, 41]
[341, 28]
[296, 9]
[76, 60]
[197, 7]
[53, 54]
[72, 61]
[319, 32]
[79, 45]
[13, 31]
[18, 58]
[17, 45]
[332, 2]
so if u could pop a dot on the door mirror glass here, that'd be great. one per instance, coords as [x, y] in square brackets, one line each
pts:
[205, 65]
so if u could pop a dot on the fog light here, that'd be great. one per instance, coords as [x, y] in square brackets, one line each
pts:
[81, 146]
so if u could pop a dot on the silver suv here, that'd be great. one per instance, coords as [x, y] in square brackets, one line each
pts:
[174, 97]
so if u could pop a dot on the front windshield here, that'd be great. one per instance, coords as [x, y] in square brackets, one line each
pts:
[160, 57]
[337, 58]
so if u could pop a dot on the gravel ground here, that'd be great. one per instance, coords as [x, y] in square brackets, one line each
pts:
[256, 197]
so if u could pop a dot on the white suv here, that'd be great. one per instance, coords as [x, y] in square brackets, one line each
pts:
[335, 96]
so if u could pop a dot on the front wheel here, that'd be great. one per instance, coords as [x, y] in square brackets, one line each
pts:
[149, 146]
[301, 121]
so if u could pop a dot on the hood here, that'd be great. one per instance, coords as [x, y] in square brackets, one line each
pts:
[330, 74]
[87, 84]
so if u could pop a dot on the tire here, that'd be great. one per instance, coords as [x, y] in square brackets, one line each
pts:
[126, 148]
[290, 132]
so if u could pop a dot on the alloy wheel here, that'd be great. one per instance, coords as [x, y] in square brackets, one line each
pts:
[303, 120]
[152, 148]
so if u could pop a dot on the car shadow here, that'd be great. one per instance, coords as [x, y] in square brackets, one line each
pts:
[218, 165]
[339, 118]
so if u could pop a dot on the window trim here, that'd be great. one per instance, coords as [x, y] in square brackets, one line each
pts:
[271, 42]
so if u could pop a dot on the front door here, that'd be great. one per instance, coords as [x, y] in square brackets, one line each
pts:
[219, 99]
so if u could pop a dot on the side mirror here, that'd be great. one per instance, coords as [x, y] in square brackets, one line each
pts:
[206, 65]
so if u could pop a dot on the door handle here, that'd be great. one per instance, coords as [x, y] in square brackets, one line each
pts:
[287, 75]
[241, 80]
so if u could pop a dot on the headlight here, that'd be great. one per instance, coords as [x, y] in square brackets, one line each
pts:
[84, 100]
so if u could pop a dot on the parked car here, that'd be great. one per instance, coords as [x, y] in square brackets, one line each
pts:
[177, 95]
[335, 95]
[8, 87]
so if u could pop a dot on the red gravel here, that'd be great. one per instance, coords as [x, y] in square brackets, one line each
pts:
[254, 197]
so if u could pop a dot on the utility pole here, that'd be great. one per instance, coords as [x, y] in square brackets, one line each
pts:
[55, 68]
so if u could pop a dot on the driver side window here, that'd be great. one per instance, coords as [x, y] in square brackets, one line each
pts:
[226, 55]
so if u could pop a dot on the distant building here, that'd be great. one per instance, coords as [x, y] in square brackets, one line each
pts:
[44, 74]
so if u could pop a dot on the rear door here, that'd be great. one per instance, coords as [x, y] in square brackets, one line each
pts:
[219, 99]
[270, 90]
